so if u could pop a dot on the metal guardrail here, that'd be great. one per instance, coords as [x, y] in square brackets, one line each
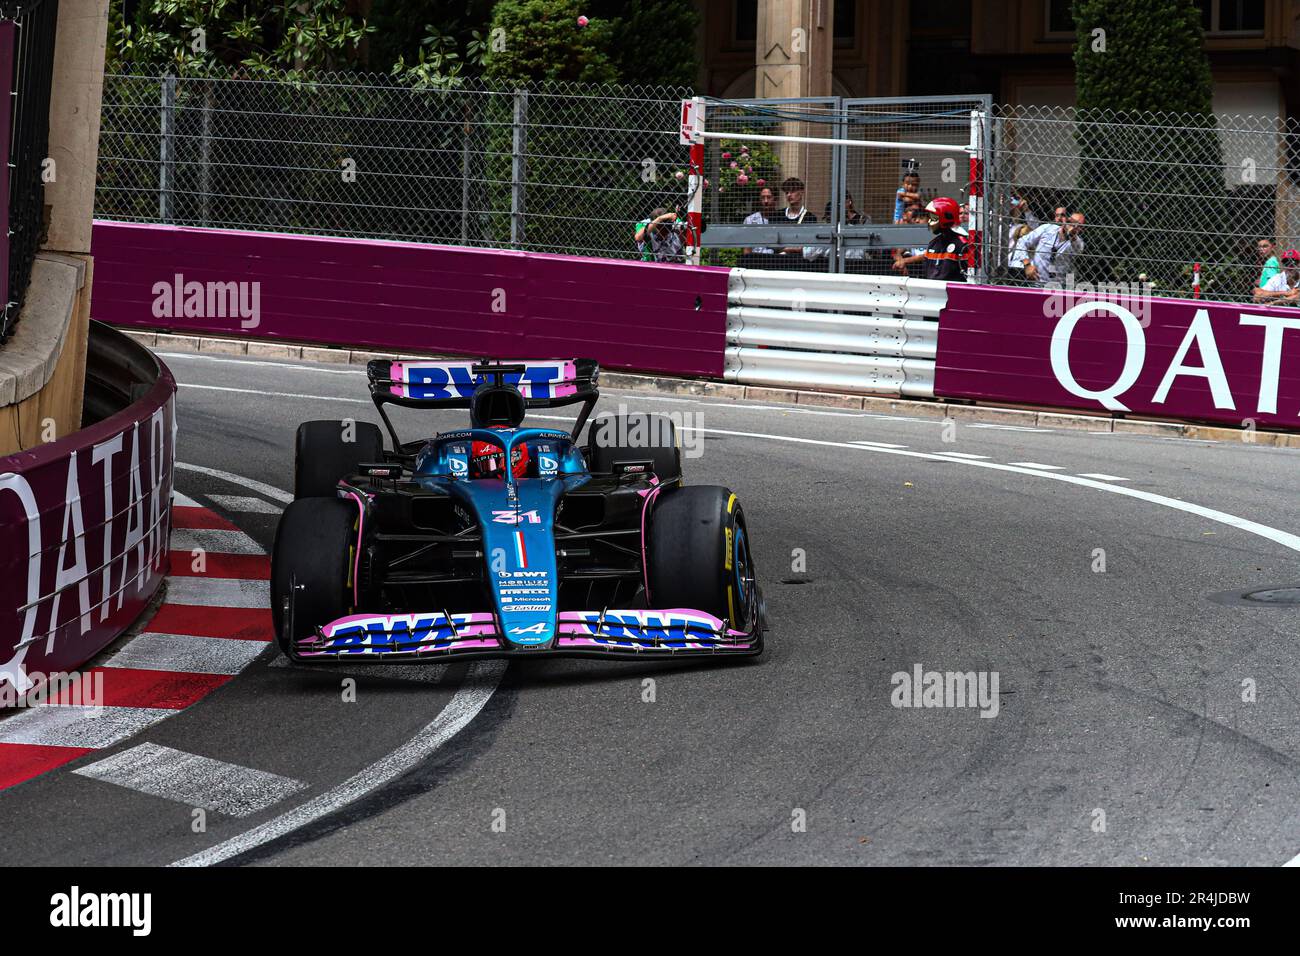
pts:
[27, 32]
[850, 333]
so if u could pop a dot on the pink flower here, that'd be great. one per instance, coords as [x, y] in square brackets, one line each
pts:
[742, 180]
[583, 21]
[761, 183]
[726, 156]
[679, 174]
[733, 164]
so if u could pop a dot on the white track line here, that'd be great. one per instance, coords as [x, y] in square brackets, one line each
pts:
[1101, 477]
[192, 779]
[1277, 536]
[878, 444]
[1037, 465]
[961, 454]
[288, 366]
[152, 651]
[260, 487]
[250, 391]
[184, 501]
[219, 592]
[469, 699]
[246, 504]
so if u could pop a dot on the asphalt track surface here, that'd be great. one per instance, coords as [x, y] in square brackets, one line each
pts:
[1120, 692]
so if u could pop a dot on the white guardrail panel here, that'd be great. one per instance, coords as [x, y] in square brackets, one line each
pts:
[842, 332]
[850, 373]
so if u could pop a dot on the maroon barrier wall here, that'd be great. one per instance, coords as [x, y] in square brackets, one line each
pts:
[399, 296]
[85, 520]
[1175, 358]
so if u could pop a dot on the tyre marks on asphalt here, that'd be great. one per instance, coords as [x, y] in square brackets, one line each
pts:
[214, 621]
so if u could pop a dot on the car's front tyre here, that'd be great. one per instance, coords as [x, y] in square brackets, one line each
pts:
[315, 549]
[698, 556]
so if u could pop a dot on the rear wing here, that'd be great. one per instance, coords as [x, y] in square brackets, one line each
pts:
[420, 384]
[544, 383]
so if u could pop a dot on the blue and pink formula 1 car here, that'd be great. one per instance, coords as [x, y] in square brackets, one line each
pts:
[503, 541]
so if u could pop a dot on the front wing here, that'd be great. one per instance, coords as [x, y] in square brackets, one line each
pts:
[393, 638]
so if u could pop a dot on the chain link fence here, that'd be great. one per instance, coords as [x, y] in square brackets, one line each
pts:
[1160, 193]
[572, 169]
[551, 168]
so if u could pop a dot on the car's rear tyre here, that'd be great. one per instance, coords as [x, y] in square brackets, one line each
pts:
[326, 451]
[314, 549]
[697, 555]
[618, 442]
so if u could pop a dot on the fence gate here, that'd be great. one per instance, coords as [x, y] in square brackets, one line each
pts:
[851, 179]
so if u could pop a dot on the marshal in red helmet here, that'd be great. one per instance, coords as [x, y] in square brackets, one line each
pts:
[945, 256]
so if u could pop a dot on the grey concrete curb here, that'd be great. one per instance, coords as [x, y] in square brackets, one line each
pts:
[884, 405]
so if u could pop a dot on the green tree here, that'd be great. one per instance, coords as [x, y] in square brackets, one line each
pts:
[194, 37]
[542, 40]
[1151, 177]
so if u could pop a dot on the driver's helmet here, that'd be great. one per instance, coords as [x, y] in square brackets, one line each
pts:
[487, 460]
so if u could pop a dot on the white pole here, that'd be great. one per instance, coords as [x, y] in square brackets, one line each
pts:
[882, 144]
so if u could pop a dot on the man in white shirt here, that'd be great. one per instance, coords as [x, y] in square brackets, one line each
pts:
[1283, 288]
[1047, 253]
[796, 213]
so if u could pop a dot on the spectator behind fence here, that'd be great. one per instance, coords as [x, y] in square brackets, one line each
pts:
[911, 261]
[659, 237]
[1017, 256]
[796, 212]
[1048, 252]
[1266, 249]
[908, 194]
[762, 216]
[1284, 287]
[1022, 215]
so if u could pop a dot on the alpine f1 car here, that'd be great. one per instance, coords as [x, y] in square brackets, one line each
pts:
[503, 541]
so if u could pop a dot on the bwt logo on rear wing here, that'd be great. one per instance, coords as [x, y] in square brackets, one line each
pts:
[540, 379]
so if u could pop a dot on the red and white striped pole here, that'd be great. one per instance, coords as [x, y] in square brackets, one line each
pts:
[692, 127]
[1196, 281]
[975, 195]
